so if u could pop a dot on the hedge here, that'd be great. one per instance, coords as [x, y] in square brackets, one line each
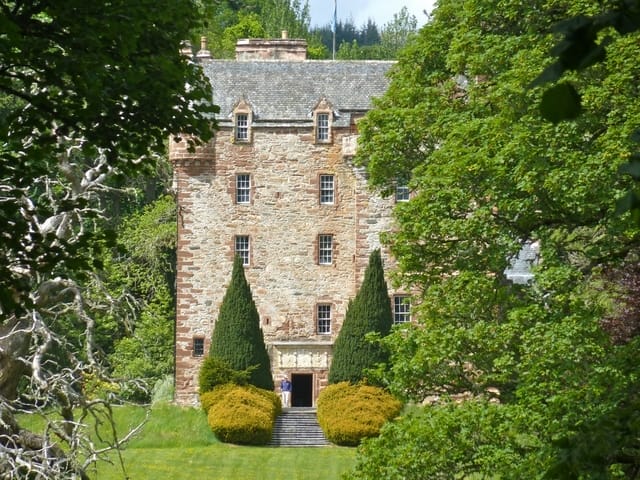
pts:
[242, 414]
[348, 413]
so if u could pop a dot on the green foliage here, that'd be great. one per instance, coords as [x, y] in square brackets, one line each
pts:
[141, 91]
[230, 21]
[141, 271]
[462, 125]
[248, 26]
[349, 413]
[237, 337]
[215, 371]
[432, 441]
[369, 312]
[163, 391]
[241, 414]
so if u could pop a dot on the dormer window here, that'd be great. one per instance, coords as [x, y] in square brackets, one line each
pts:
[242, 127]
[322, 120]
[322, 127]
[242, 119]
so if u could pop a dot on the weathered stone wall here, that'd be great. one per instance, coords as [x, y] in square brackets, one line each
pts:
[283, 222]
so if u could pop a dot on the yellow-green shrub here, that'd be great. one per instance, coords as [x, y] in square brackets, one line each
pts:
[241, 414]
[348, 413]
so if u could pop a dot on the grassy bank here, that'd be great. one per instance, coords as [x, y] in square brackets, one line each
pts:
[176, 444]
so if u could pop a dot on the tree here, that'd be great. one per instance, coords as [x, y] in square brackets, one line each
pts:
[396, 33]
[80, 109]
[368, 313]
[538, 362]
[237, 338]
[141, 271]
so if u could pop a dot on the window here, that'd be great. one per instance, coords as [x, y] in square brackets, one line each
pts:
[402, 193]
[243, 188]
[325, 249]
[326, 190]
[322, 127]
[242, 248]
[401, 309]
[242, 127]
[198, 346]
[324, 319]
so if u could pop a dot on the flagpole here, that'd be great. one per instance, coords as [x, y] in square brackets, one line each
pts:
[335, 26]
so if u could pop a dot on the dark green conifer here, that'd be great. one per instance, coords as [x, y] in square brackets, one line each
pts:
[237, 337]
[369, 311]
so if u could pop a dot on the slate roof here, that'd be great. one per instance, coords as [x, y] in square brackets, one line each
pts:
[286, 92]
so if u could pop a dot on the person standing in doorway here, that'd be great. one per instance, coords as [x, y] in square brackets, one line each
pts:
[285, 392]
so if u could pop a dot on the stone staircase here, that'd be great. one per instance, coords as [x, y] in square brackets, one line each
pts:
[298, 427]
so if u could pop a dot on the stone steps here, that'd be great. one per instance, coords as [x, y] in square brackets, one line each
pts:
[298, 427]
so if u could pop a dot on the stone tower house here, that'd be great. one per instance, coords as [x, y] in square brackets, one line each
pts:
[277, 186]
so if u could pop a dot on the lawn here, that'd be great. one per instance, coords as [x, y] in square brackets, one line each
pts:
[176, 444]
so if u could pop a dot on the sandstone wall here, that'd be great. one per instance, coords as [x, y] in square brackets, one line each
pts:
[283, 221]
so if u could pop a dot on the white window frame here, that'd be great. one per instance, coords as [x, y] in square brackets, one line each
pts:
[327, 189]
[243, 188]
[323, 319]
[323, 127]
[242, 248]
[241, 127]
[325, 249]
[402, 193]
[401, 309]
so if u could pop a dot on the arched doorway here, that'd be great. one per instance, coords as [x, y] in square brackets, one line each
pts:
[302, 390]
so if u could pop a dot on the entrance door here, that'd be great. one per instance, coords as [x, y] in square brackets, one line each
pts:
[301, 390]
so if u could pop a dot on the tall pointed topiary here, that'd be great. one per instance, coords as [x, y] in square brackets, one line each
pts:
[369, 311]
[237, 337]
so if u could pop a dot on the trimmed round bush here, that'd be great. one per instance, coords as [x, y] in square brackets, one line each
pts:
[348, 413]
[241, 414]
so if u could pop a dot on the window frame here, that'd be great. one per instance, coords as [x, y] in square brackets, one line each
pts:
[241, 130]
[323, 127]
[197, 346]
[243, 191]
[324, 318]
[325, 249]
[323, 192]
[401, 309]
[244, 253]
[402, 193]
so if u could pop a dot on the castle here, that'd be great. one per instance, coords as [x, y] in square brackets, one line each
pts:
[277, 186]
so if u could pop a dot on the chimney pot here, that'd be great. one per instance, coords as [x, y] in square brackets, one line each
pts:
[285, 34]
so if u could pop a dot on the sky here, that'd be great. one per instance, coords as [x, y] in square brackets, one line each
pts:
[380, 11]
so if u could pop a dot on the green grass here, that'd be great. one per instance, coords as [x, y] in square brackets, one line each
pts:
[176, 443]
[221, 461]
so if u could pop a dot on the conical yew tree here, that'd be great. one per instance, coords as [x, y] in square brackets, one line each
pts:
[369, 311]
[237, 337]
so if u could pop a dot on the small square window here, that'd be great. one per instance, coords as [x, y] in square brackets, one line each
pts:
[327, 189]
[324, 319]
[402, 193]
[322, 127]
[243, 188]
[242, 248]
[198, 346]
[242, 127]
[401, 309]
[325, 249]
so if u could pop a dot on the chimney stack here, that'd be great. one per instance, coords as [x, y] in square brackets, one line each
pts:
[283, 48]
[203, 53]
